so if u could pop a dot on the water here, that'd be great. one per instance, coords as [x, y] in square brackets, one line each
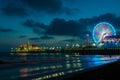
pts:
[48, 65]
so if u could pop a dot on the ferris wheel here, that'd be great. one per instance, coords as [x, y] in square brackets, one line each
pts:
[101, 30]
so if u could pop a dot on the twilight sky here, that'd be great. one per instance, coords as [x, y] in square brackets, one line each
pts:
[53, 21]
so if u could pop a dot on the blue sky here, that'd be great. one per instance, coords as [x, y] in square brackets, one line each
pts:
[57, 20]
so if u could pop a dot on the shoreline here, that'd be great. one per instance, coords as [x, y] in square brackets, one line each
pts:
[108, 71]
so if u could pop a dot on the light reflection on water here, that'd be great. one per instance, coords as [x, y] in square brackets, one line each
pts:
[45, 66]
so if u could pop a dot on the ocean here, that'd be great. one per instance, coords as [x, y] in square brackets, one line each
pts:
[40, 66]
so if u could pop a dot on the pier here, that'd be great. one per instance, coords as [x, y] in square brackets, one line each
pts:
[79, 51]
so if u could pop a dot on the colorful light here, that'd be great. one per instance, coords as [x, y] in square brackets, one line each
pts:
[101, 30]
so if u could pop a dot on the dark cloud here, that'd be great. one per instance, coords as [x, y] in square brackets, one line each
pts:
[37, 27]
[6, 30]
[14, 10]
[46, 37]
[22, 36]
[73, 27]
[108, 17]
[51, 6]
[69, 11]
[38, 31]
[33, 24]
[62, 27]
[22, 8]
[34, 38]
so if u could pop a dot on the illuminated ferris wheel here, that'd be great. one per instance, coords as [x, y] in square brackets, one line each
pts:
[101, 30]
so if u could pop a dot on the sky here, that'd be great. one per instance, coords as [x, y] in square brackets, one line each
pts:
[45, 22]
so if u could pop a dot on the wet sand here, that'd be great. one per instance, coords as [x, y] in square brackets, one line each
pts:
[109, 71]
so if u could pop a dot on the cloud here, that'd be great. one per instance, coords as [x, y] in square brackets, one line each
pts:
[82, 26]
[63, 27]
[108, 17]
[32, 24]
[22, 8]
[46, 37]
[73, 27]
[56, 27]
[14, 10]
[36, 26]
[34, 38]
[22, 36]
[6, 30]
[69, 11]
[50, 6]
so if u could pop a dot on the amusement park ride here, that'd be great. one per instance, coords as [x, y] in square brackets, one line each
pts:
[101, 31]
